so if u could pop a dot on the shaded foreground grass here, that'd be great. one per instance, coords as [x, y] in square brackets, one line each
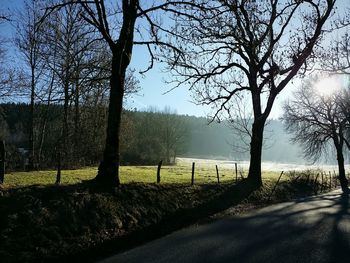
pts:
[80, 221]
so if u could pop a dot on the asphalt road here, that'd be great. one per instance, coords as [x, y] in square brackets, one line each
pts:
[315, 229]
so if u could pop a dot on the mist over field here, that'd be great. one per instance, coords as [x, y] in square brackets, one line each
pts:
[218, 141]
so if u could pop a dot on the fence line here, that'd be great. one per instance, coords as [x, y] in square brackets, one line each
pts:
[312, 179]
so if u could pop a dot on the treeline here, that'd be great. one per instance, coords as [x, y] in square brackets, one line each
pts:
[147, 137]
[83, 138]
[151, 136]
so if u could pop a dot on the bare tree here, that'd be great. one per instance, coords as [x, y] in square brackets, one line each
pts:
[250, 47]
[4, 16]
[240, 121]
[6, 75]
[120, 37]
[335, 59]
[67, 37]
[5, 78]
[28, 33]
[315, 120]
[334, 54]
[165, 131]
[3, 91]
[173, 133]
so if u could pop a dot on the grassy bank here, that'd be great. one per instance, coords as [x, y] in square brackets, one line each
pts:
[79, 221]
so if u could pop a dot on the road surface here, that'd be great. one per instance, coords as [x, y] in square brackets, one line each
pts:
[315, 229]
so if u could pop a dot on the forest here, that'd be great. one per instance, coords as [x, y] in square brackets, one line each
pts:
[147, 138]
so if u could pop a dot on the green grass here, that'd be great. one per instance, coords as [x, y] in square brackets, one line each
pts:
[180, 173]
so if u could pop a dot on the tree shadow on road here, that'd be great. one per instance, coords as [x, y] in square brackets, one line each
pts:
[312, 230]
[340, 247]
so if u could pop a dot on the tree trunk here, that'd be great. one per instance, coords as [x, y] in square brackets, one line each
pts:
[76, 121]
[256, 143]
[62, 142]
[108, 170]
[31, 128]
[167, 155]
[42, 139]
[339, 143]
[43, 130]
[342, 176]
[2, 161]
[44, 125]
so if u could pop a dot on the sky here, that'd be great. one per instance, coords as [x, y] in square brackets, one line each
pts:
[154, 91]
[153, 87]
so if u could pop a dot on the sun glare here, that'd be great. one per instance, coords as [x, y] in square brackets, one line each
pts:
[327, 86]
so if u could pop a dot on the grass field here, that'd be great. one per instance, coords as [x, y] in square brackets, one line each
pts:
[180, 173]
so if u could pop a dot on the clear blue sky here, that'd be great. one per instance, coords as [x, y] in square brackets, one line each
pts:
[152, 84]
[154, 89]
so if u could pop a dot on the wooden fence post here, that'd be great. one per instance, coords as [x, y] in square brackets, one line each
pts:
[236, 172]
[58, 175]
[192, 179]
[274, 188]
[217, 173]
[158, 171]
[241, 173]
[2, 161]
[316, 184]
